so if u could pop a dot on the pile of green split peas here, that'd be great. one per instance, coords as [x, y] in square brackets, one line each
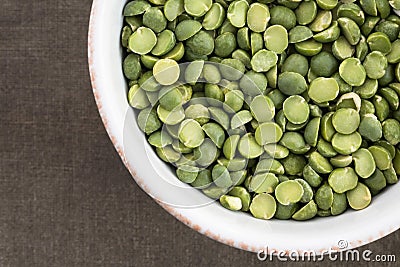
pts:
[286, 109]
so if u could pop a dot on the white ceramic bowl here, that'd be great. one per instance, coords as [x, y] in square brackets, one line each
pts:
[232, 228]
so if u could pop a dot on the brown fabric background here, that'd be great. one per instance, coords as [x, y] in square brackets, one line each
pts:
[65, 197]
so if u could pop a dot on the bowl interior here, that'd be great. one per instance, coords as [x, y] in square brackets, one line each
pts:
[191, 206]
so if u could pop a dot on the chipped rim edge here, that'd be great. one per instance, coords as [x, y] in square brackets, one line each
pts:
[171, 210]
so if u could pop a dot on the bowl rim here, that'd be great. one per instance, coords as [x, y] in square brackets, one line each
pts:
[106, 117]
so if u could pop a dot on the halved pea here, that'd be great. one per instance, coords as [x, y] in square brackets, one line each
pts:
[243, 38]
[214, 192]
[375, 65]
[263, 183]
[135, 8]
[325, 148]
[366, 107]
[214, 17]
[237, 13]
[243, 56]
[171, 117]
[350, 30]
[289, 192]
[187, 174]
[306, 12]
[225, 44]
[378, 41]
[352, 71]
[351, 11]
[137, 97]
[233, 101]
[191, 134]
[267, 133]
[360, 197]
[342, 49]
[308, 212]
[312, 130]
[142, 41]
[125, 34]
[241, 118]
[269, 165]
[362, 48]
[173, 8]
[346, 144]
[244, 196]
[221, 177]
[376, 182]
[370, 128]
[285, 212]
[282, 15]
[368, 89]
[391, 97]
[323, 89]
[203, 179]
[296, 63]
[258, 17]
[166, 71]
[215, 132]
[253, 83]
[168, 154]
[165, 43]
[349, 100]
[308, 191]
[311, 176]
[256, 42]
[381, 156]
[328, 35]
[346, 120]
[263, 60]
[296, 109]
[276, 38]
[319, 163]
[294, 141]
[309, 47]
[341, 161]
[294, 164]
[339, 204]
[220, 116]
[343, 179]
[364, 163]
[154, 19]
[262, 108]
[391, 131]
[394, 54]
[176, 53]
[324, 197]
[386, 145]
[186, 29]
[197, 8]
[263, 206]
[322, 21]
[291, 83]
[382, 108]
[248, 147]
[390, 176]
[299, 34]
[231, 202]
[148, 121]
[327, 4]
[327, 129]
[276, 151]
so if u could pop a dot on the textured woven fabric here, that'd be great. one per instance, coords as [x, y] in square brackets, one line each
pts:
[65, 197]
